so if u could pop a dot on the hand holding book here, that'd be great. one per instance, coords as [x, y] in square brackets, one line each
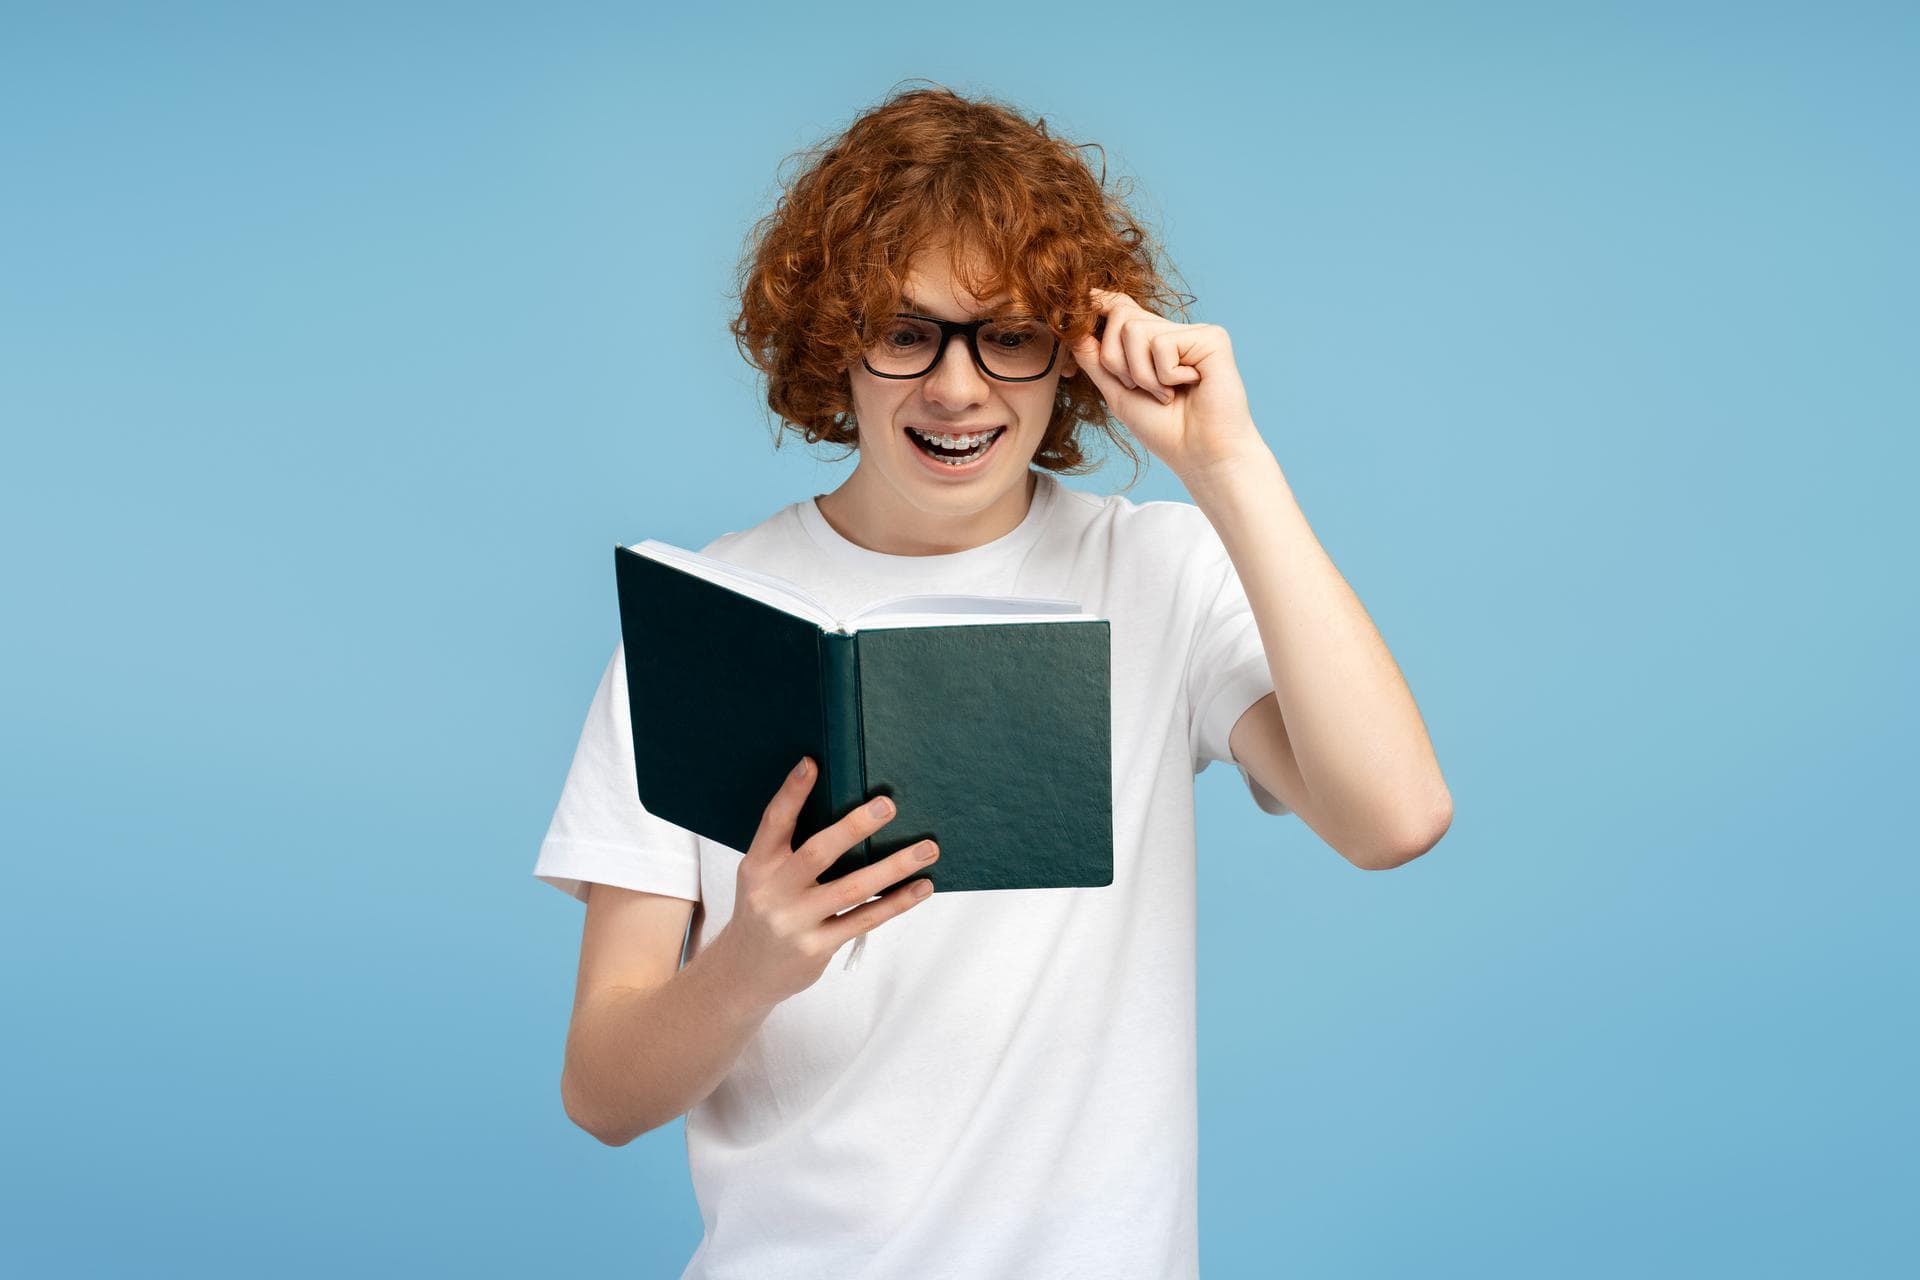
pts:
[786, 925]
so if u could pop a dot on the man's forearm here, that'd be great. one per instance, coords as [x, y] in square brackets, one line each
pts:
[1351, 721]
[636, 1058]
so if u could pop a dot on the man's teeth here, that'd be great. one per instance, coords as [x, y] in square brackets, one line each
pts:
[955, 442]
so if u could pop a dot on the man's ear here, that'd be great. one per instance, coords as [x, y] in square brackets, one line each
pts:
[1067, 367]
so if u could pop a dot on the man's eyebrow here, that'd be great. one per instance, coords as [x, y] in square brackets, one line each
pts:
[921, 308]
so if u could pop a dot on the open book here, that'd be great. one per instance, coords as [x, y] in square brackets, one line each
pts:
[987, 719]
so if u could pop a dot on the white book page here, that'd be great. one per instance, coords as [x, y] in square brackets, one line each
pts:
[764, 587]
[963, 604]
[896, 611]
[964, 610]
[885, 621]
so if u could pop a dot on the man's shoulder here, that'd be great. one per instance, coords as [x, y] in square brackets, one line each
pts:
[773, 535]
[1155, 529]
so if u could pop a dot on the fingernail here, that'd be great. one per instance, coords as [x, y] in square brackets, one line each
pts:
[928, 852]
[880, 808]
[800, 770]
[921, 888]
[1166, 397]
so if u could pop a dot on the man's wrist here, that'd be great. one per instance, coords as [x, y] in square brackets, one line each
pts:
[727, 981]
[1223, 479]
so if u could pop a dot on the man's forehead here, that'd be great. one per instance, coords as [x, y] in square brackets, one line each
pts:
[932, 285]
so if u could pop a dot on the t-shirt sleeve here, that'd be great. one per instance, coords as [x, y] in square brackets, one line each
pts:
[1227, 665]
[600, 833]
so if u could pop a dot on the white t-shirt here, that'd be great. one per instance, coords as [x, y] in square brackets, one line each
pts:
[1005, 1086]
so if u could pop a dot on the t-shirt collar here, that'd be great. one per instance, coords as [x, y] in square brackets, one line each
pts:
[987, 555]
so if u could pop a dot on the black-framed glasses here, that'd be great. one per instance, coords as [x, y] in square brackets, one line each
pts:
[1009, 348]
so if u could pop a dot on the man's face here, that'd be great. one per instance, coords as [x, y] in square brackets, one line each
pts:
[956, 399]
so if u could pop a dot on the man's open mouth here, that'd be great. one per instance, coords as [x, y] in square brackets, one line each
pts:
[954, 450]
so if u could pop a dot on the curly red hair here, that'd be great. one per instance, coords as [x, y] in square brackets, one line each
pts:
[1019, 211]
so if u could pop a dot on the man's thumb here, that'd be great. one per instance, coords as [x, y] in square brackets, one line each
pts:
[1086, 355]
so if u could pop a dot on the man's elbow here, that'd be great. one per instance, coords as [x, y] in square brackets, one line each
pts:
[605, 1137]
[584, 1119]
[1418, 837]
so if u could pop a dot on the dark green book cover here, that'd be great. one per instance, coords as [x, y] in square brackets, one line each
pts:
[993, 737]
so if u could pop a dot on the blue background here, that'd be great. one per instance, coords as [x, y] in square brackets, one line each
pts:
[338, 342]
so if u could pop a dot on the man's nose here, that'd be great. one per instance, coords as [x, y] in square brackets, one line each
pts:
[957, 381]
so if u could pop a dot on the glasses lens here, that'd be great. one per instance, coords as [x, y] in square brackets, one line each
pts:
[1010, 347]
[905, 345]
[1016, 347]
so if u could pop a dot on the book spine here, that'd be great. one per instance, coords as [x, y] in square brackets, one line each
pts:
[845, 766]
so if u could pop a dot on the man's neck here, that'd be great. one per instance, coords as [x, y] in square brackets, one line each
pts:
[876, 518]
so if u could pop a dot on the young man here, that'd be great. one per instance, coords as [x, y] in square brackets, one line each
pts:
[1005, 1087]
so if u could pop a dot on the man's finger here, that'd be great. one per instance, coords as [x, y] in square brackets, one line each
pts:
[774, 838]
